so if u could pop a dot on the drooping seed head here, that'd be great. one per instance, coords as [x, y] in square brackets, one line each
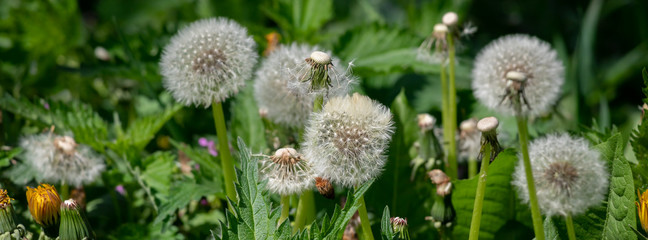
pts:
[208, 61]
[346, 140]
[518, 68]
[569, 176]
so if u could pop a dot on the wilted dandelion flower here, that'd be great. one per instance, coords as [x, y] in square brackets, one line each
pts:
[518, 66]
[346, 141]
[59, 159]
[280, 87]
[44, 203]
[642, 209]
[208, 61]
[569, 176]
[287, 172]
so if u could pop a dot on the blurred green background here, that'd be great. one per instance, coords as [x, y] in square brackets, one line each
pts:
[106, 53]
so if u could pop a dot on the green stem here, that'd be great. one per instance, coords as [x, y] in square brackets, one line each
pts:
[65, 191]
[318, 103]
[524, 143]
[570, 227]
[445, 115]
[452, 110]
[285, 208]
[472, 167]
[305, 207]
[481, 192]
[223, 151]
[364, 220]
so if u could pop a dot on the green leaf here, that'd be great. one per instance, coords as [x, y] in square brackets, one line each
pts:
[499, 201]
[644, 74]
[7, 155]
[157, 171]
[182, 193]
[246, 122]
[386, 230]
[301, 19]
[141, 131]
[621, 210]
[209, 165]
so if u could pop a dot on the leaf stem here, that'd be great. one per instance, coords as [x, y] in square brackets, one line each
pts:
[481, 192]
[224, 152]
[452, 110]
[285, 208]
[364, 219]
[570, 227]
[524, 147]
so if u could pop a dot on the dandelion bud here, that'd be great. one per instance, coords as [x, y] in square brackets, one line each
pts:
[642, 209]
[569, 176]
[60, 159]
[426, 122]
[281, 86]
[44, 203]
[74, 224]
[346, 140]
[7, 215]
[518, 68]
[399, 225]
[450, 19]
[325, 187]
[208, 61]
[287, 172]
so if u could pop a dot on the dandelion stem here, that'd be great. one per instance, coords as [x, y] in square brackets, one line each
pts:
[452, 111]
[524, 147]
[65, 191]
[285, 208]
[570, 227]
[364, 220]
[224, 152]
[472, 167]
[481, 192]
[318, 103]
[445, 115]
[305, 207]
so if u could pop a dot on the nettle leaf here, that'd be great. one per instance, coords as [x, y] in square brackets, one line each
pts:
[644, 74]
[182, 193]
[499, 202]
[6, 156]
[209, 166]
[141, 131]
[246, 122]
[386, 230]
[639, 143]
[300, 19]
[157, 171]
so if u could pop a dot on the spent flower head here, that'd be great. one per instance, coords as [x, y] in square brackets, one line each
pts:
[518, 68]
[287, 172]
[60, 159]
[208, 61]
[7, 215]
[281, 88]
[74, 224]
[399, 225]
[569, 175]
[469, 140]
[346, 141]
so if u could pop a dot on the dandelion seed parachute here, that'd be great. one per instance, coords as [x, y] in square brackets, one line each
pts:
[279, 88]
[59, 159]
[346, 141]
[514, 55]
[208, 61]
[570, 177]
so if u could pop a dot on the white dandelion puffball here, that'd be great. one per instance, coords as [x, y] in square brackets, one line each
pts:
[518, 64]
[569, 175]
[59, 159]
[278, 87]
[346, 141]
[208, 61]
[287, 172]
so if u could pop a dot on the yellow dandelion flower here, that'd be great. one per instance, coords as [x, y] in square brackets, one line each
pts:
[44, 204]
[642, 209]
[5, 200]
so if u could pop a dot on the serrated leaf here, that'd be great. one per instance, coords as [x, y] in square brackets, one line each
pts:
[209, 165]
[644, 74]
[246, 122]
[621, 210]
[182, 193]
[157, 171]
[499, 201]
[6, 156]
[141, 131]
[300, 19]
[386, 230]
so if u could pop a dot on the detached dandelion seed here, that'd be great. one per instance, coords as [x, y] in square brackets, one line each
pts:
[59, 159]
[346, 140]
[208, 61]
[280, 88]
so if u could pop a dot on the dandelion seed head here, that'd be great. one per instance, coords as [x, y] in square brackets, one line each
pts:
[287, 172]
[280, 92]
[569, 175]
[518, 64]
[208, 61]
[346, 141]
[59, 159]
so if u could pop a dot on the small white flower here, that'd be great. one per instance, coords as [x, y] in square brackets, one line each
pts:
[346, 141]
[569, 176]
[287, 172]
[208, 61]
[518, 64]
[280, 91]
[59, 159]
